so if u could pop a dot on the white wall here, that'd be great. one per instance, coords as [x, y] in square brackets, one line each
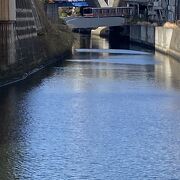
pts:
[167, 40]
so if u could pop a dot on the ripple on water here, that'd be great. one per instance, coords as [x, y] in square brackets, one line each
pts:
[102, 117]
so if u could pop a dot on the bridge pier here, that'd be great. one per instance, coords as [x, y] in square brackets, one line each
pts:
[7, 10]
[7, 36]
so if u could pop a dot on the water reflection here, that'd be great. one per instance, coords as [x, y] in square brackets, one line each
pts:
[7, 45]
[167, 72]
[14, 128]
[104, 117]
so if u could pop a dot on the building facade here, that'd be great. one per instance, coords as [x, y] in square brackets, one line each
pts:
[156, 10]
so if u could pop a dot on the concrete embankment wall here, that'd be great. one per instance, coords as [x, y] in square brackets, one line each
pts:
[29, 41]
[168, 41]
[143, 34]
[165, 40]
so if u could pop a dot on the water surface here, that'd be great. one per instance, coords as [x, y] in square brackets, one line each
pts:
[97, 116]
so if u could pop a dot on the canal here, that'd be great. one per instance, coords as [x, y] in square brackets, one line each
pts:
[96, 116]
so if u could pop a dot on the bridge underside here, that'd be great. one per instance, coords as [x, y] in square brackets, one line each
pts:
[81, 22]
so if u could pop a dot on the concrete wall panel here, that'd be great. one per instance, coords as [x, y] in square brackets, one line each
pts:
[135, 33]
[143, 33]
[175, 44]
[168, 41]
[151, 34]
[175, 41]
[7, 10]
[163, 38]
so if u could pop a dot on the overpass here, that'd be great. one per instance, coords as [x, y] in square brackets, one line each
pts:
[52, 8]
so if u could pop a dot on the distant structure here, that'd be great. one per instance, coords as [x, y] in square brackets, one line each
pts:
[156, 10]
[151, 10]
